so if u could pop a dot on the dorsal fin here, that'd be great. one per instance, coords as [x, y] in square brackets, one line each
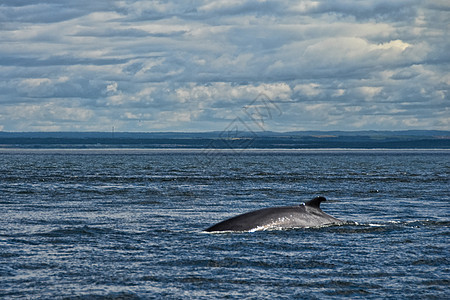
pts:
[315, 202]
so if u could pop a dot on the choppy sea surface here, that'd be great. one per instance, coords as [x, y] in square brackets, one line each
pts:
[124, 224]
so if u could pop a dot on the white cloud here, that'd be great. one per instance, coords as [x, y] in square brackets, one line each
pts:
[111, 88]
[36, 87]
[397, 45]
[309, 90]
[369, 92]
[166, 65]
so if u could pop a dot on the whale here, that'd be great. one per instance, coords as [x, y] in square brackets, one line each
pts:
[305, 215]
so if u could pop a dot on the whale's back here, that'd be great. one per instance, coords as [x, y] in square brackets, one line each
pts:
[305, 215]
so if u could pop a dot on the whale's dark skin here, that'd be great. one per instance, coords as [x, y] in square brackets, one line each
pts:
[308, 214]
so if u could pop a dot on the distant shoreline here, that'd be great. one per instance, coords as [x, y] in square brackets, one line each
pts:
[234, 140]
[207, 152]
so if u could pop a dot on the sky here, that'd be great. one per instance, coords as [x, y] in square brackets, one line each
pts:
[152, 66]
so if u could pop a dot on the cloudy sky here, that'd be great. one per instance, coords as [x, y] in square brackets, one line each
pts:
[91, 65]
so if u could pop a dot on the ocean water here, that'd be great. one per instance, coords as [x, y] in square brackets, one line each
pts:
[127, 224]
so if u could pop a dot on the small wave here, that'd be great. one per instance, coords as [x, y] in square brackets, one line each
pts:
[111, 296]
[80, 230]
[411, 223]
[381, 227]
[430, 223]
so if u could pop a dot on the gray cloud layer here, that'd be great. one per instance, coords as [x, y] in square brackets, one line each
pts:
[193, 66]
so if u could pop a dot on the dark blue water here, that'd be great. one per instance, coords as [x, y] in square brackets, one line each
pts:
[127, 225]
